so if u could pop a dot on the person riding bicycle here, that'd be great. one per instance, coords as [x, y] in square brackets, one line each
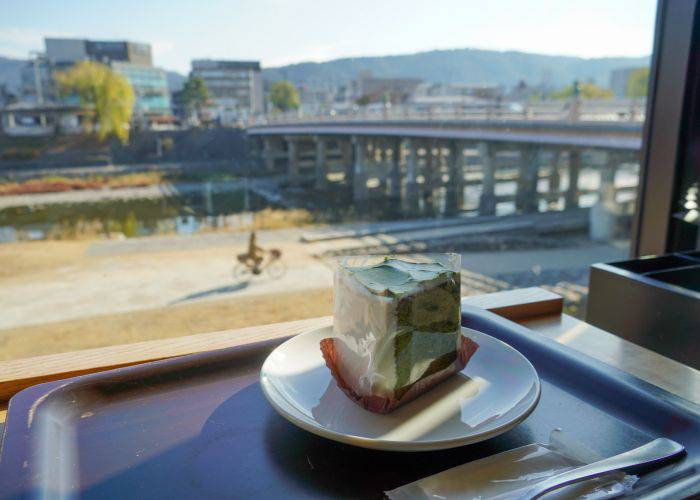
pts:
[255, 255]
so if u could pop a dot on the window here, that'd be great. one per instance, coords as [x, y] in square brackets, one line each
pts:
[515, 143]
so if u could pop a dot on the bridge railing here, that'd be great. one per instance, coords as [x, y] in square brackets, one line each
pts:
[583, 110]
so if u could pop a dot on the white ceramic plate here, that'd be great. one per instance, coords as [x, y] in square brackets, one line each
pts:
[496, 391]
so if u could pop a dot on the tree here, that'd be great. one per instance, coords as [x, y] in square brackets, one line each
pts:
[107, 96]
[284, 96]
[638, 83]
[195, 95]
[363, 100]
[588, 90]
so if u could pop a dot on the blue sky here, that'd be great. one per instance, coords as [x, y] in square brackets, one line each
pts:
[284, 31]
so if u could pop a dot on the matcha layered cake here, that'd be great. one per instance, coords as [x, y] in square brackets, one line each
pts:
[396, 328]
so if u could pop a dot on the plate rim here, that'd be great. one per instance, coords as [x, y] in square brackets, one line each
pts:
[388, 444]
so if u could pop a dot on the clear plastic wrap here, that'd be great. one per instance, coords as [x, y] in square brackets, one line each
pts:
[396, 328]
[510, 473]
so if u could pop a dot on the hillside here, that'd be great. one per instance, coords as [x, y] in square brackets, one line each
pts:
[461, 65]
[458, 65]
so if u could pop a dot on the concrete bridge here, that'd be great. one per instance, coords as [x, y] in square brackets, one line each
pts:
[426, 165]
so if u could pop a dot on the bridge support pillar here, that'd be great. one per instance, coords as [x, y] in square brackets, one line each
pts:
[395, 171]
[553, 182]
[292, 159]
[429, 173]
[603, 216]
[359, 177]
[487, 203]
[455, 189]
[526, 196]
[320, 167]
[607, 178]
[574, 168]
[346, 159]
[269, 154]
[378, 163]
[411, 196]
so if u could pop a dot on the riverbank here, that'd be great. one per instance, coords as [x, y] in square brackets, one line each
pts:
[60, 184]
[154, 324]
[143, 191]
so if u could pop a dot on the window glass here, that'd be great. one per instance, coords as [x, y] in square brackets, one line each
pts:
[506, 131]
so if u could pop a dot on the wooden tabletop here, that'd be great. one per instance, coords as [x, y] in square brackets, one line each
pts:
[536, 308]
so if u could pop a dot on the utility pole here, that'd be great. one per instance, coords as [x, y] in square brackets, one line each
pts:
[37, 77]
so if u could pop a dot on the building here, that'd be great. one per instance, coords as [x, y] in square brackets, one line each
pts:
[315, 98]
[457, 90]
[132, 60]
[41, 120]
[7, 97]
[71, 50]
[37, 84]
[619, 78]
[395, 90]
[235, 88]
[150, 87]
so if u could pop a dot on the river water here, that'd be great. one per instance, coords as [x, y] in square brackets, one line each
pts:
[202, 208]
[182, 214]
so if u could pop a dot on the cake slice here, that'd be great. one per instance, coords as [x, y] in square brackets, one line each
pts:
[396, 323]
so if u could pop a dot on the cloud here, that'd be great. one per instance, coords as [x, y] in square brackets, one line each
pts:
[19, 42]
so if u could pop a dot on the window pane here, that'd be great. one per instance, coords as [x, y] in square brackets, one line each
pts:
[506, 131]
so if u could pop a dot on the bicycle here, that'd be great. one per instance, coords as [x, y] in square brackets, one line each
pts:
[271, 264]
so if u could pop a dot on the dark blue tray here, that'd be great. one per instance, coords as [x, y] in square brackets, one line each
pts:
[199, 427]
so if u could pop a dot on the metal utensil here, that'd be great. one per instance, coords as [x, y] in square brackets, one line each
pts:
[654, 452]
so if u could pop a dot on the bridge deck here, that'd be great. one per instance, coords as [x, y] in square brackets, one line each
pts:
[591, 138]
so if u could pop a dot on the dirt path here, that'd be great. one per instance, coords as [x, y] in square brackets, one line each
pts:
[59, 286]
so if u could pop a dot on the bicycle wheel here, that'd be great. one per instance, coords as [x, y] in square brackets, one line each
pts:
[241, 272]
[276, 269]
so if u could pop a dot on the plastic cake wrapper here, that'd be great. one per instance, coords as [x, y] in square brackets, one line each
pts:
[396, 327]
[510, 473]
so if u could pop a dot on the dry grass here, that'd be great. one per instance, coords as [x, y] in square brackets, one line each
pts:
[54, 184]
[24, 258]
[173, 321]
[270, 218]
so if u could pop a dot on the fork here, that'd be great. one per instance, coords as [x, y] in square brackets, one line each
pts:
[654, 452]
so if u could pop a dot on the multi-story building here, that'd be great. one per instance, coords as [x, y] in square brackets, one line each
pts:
[150, 87]
[132, 60]
[108, 52]
[71, 50]
[235, 88]
[37, 84]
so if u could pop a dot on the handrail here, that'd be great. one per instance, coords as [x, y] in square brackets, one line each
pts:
[621, 110]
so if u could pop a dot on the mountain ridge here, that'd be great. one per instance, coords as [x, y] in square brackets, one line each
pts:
[466, 65]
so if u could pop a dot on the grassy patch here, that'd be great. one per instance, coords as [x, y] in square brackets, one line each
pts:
[167, 322]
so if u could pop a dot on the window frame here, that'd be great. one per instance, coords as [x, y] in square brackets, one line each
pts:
[664, 132]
